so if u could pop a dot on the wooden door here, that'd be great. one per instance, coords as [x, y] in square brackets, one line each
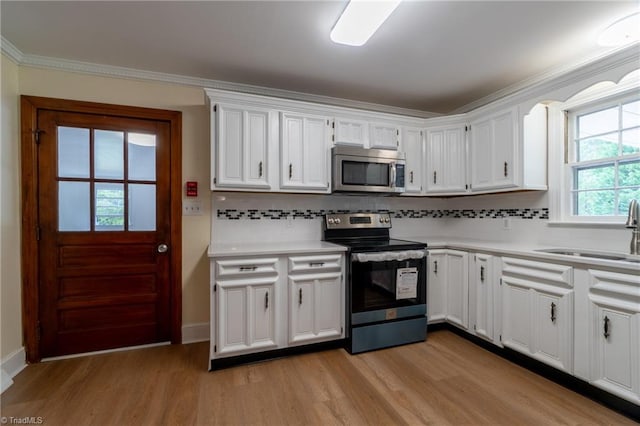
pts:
[106, 219]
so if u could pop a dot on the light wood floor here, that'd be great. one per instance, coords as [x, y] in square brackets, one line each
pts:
[444, 381]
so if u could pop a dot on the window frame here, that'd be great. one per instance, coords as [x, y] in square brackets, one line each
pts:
[599, 101]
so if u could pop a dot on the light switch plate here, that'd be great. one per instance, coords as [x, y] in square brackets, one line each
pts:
[192, 208]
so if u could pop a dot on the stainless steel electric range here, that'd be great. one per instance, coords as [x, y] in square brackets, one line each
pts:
[386, 282]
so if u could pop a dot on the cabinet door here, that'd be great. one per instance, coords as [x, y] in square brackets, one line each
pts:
[350, 132]
[455, 160]
[614, 329]
[436, 285]
[458, 288]
[245, 315]
[242, 140]
[384, 136]
[504, 140]
[436, 164]
[412, 147]
[481, 155]
[304, 152]
[483, 295]
[553, 326]
[315, 307]
[516, 314]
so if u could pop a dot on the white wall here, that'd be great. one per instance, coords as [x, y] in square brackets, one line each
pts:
[10, 278]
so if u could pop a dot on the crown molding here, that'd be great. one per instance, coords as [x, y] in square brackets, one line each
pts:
[10, 51]
[46, 62]
[558, 77]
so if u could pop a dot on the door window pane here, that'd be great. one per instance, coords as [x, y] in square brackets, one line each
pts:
[73, 152]
[142, 156]
[74, 206]
[109, 199]
[108, 154]
[142, 207]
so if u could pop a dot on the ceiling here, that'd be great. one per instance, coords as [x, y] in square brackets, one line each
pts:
[432, 56]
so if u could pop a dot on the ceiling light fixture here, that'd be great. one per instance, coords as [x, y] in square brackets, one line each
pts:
[623, 31]
[360, 19]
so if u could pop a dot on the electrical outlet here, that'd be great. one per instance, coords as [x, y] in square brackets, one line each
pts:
[192, 208]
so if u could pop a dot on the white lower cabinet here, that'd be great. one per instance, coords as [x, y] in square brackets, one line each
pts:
[314, 314]
[481, 294]
[537, 311]
[614, 333]
[252, 311]
[448, 287]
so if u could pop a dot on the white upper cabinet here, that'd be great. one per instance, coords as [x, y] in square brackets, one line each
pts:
[446, 156]
[350, 132]
[412, 146]
[508, 150]
[384, 136]
[493, 142]
[304, 152]
[243, 136]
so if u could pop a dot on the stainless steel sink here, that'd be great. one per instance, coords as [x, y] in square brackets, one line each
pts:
[592, 254]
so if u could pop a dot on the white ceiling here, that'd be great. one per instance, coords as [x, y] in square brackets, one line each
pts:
[429, 55]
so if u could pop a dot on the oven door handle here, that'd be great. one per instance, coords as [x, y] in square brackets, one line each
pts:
[383, 256]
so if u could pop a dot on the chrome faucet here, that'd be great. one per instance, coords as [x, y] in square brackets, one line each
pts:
[633, 222]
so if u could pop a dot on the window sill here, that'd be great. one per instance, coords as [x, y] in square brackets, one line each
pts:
[580, 224]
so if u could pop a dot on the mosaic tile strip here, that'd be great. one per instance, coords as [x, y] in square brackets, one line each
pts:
[276, 214]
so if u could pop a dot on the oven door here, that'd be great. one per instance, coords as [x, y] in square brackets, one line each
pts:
[387, 284]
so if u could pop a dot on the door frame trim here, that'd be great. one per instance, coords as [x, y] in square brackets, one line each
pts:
[29, 107]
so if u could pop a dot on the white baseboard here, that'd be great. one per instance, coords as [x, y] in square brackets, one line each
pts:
[193, 333]
[12, 364]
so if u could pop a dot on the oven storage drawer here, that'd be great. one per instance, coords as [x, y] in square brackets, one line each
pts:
[315, 263]
[246, 267]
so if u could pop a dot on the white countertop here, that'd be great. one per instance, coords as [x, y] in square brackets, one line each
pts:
[529, 251]
[270, 248]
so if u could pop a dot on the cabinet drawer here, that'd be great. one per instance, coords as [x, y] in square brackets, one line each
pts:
[246, 266]
[325, 262]
[560, 275]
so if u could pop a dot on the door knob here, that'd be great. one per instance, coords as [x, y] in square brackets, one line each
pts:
[162, 248]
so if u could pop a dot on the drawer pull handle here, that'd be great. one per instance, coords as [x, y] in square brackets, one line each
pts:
[248, 268]
[266, 301]
[482, 273]
[411, 176]
[553, 312]
[606, 327]
[314, 264]
[300, 297]
[435, 267]
[260, 169]
[434, 177]
[506, 169]
[290, 170]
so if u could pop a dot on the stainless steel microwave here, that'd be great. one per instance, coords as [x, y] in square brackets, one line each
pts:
[367, 170]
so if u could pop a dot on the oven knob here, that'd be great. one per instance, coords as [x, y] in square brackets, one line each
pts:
[331, 221]
[386, 220]
[338, 221]
[381, 219]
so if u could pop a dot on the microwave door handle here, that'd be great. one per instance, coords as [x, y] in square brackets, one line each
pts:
[392, 174]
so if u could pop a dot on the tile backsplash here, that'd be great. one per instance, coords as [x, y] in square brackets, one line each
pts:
[278, 214]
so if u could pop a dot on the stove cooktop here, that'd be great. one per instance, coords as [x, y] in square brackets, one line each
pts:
[370, 244]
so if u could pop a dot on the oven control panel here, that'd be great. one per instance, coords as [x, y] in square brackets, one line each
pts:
[357, 220]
